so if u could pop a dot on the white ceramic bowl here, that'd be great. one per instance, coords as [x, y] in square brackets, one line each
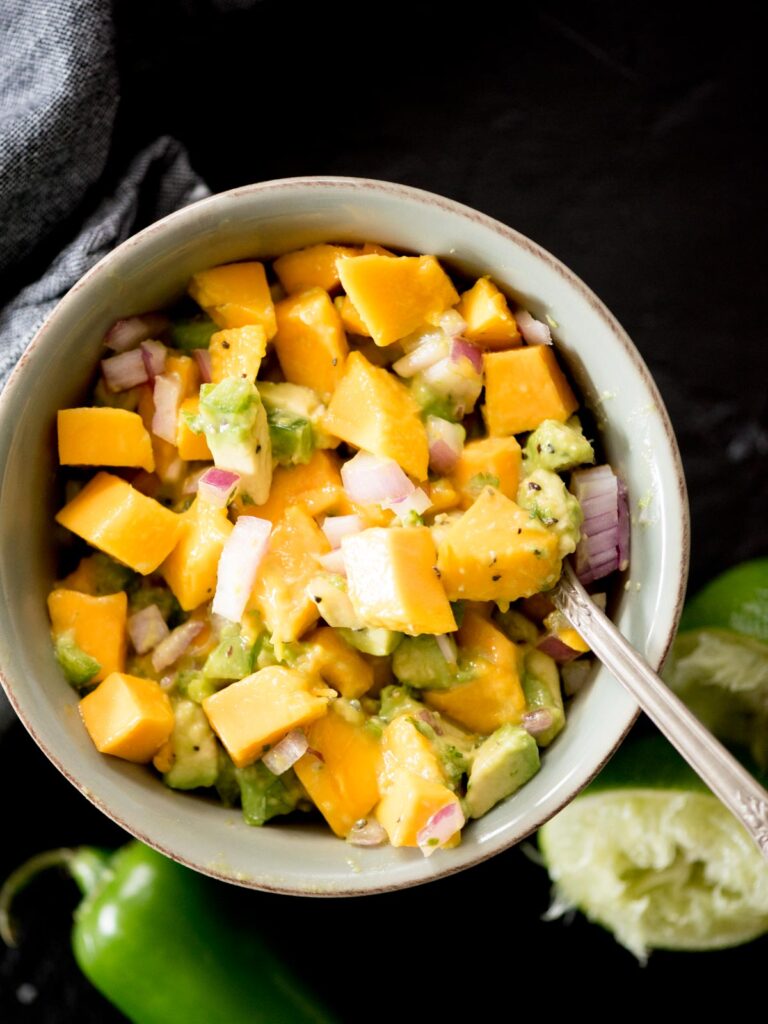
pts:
[149, 271]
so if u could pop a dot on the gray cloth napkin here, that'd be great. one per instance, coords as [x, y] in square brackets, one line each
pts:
[58, 213]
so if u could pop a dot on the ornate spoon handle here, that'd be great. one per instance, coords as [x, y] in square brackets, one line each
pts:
[728, 780]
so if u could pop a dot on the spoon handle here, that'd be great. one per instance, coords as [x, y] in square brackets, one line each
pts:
[728, 780]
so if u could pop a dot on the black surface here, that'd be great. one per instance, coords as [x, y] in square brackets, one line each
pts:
[631, 144]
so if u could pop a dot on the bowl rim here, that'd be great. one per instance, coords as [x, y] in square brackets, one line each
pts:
[409, 193]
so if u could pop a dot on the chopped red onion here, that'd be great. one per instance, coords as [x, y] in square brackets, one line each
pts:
[422, 357]
[154, 354]
[446, 443]
[534, 332]
[623, 497]
[333, 562]
[217, 486]
[369, 480]
[574, 674]
[597, 490]
[557, 648]
[203, 360]
[447, 646]
[128, 333]
[191, 482]
[459, 380]
[124, 371]
[443, 824]
[538, 721]
[336, 527]
[367, 832]
[416, 502]
[287, 752]
[167, 394]
[463, 349]
[431, 720]
[175, 644]
[239, 562]
[147, 628]
[452, 322]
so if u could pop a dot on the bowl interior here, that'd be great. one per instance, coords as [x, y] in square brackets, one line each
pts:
[152, 269]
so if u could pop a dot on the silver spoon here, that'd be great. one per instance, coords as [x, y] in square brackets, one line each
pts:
[744, 797]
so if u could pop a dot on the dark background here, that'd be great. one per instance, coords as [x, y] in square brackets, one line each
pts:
[630, 141]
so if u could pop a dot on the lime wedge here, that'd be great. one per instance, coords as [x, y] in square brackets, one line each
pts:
[735, 600]
[647, 852]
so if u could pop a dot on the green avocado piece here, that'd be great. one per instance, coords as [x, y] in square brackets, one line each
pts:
[291, 436]
[433, 404]
[517, 627]
[372, 640]
[145, 594]
[194, 685]
[546, 497]
[419, 662]
[195, 753]
[329, 592]
[265, 795]
[557, 447]
[192, 332]
[504, 762]
[541, 686]
[398, 700]
[232, 658]
[299, 403]
[78, 667]
[110, 577]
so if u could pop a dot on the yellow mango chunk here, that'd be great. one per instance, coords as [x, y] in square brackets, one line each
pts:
[128, 717]
[96, 436]
[493, 461]
[524, 387]
[237, 352]
[343, 785]
[370, 409]
[191, 568]
[490, 324]
[310, 341]
[188, 373]
[495, 695]
[259, 710]
[316, 486]
[313, 267]
[279, 592]
[113, 517]
[235, 295]
[443, 495]
[497, 552]
[98, 625]
[395, 295]
[370, 247]
[191, 447]
[338, 664]
[408, 804]
[350, 318]
[392, 581]
[404, 747]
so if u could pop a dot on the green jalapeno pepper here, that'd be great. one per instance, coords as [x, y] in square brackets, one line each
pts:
[154, 938]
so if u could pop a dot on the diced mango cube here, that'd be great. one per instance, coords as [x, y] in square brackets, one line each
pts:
[113, 517]
[372, 410]
[191, 569]
[350, 318]
[338, 664]
[404, 747]
[407, 805]
[313, 267]
[493, 461]
[187, 371]
[100, 436]
[497, 552]
[310, 341]
[395, 295]
[237, 352]
[524, 387]
[128, 717]
[191, 446]
[343, 781]
[392, 581]
[279, 592]
[258, 711]
[316, 486]
[490, 324]
[235, 295]
[98, 625]
[495, 694]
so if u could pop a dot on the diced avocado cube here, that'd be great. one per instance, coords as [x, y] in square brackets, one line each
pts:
[299, 402]
[193, 332]
[372, 640]
[110, 576]
[504, 762]
[329, 592]
[541, 686]
[433, 404]
[517, 627]
[227, 786]
[557, 446]
[398, 700]
[291, 436]
[419, 662]
[195, 753]
[232, 658]
[78, 667]
[145, 594]
[265, 795]
[195, 686]
[547, 499]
